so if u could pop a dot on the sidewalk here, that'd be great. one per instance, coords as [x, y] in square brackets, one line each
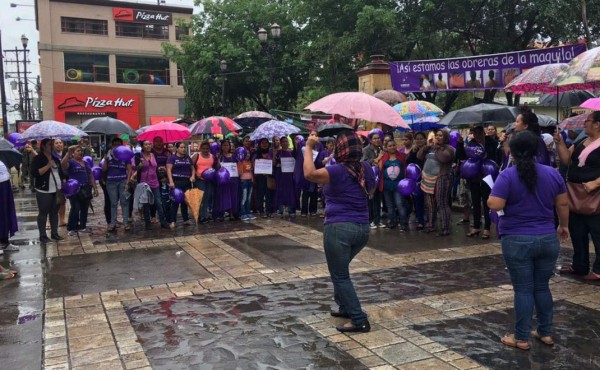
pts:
[257, 295]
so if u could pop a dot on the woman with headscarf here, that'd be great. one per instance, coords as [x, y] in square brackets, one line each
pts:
[347, 187]
[285, 196]
[528, 193]
[227, 197]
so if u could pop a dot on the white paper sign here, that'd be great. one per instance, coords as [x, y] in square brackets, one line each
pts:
[232, 168]
[287, 165]
[489, 181]
[315, 153]
[263, 167]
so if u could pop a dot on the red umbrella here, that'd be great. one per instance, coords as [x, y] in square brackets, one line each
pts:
[575, 122]
[170, 132]
[214, 125]
[358, 105]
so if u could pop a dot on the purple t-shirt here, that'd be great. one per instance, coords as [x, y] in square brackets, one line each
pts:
[161, 158]
[181, 167]
[528, 213]
[117, 170]
[78, 172]
[345, 200]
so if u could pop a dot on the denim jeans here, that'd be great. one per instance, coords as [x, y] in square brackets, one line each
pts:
[581, 228]
[182, 185]
[264, 195]
[246, 197]
[117, 192]
[157, 206]
[207, 200]
[342, 242]
[395, 207]
[530, 260]
[78, 213]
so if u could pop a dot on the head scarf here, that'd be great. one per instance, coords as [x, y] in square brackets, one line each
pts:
[348, 152]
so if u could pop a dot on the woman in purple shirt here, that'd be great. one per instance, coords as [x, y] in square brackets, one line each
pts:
[118, 173]
[347, 187]
[182, 174]
[77, 169]
[527, 195]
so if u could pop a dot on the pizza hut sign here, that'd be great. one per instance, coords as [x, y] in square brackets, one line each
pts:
[95, 102]
[142, 16]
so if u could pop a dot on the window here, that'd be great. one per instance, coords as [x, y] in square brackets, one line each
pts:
[82, 25]
[181, 32]
[180, 79]
[86, 67]
[141, 30]
[142, 70]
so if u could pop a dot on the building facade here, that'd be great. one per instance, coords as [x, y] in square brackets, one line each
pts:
[102, 57]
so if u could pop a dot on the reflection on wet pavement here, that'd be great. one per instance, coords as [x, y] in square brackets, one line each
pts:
[478, 337]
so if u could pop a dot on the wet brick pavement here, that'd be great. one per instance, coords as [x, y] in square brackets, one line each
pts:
[256, 295]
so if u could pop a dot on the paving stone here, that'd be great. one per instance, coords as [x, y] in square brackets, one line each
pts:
[428, 364]
[401, 353]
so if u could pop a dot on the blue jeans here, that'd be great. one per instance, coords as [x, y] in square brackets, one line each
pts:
[246, 197]
[530, 260]
[342, 242]
[78, 214]
[207, 200]
[395, 207]
[117, 192]
[157, 206]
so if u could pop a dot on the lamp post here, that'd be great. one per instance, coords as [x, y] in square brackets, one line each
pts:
[223, 66]
[270, 48]
[25, 41]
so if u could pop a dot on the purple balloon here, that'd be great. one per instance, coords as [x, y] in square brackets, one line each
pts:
[222, 176]
[177, 195]
[298, 139]
[209, 174]
[406, 187]
[101, 163]
[376, 173]
[377, 131]
[332, 161]
[470, 168]
[71, 187]
[89, 160]
[14, 137]
[490, 168]
[240, 154]
[214, 148]
[418, 191]
[123, 153]
[475, 150]
[454, 137]
[413, 171]
[97, 172]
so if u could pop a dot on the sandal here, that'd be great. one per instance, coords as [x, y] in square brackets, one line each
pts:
[485, 236]
[592, 276]
[567, 270]
[473, 233]
[511, 341]
[6, 274]
[547, 340]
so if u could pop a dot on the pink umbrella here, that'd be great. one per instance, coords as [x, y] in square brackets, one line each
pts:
[575, 122]
[170, 132]
[593, 103]
[358, 105]
[537, 79]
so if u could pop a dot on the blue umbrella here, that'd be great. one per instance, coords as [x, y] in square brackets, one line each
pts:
[273, 128]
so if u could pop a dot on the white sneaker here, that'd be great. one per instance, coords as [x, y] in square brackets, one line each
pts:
[372, 225]
[72, 233]
[381, 225]
[10, 248]
[87, 230]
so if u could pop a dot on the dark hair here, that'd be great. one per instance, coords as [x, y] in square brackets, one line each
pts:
[46, 141]
[420, 133]
[116, 140]
[531, 120]
[330, 141]
[446, 136]
[524, 148]
[205, 143]
[595, 116]
[177, 144]
[409, 136]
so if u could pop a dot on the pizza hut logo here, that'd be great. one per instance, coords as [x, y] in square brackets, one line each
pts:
[123, 14]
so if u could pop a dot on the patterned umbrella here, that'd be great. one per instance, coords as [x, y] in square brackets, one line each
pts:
[390, 96]
[214, 125]
[53, 130]
[170, 132]
[252, 118]
[537, 79]
[575, 123]
[414, 109]
[273, 128]
[583, 72]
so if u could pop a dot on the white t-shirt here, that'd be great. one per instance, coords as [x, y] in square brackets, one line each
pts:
[4, 172]
[54, 184]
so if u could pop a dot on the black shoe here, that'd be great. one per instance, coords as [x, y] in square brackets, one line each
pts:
[339, 314]
[148, 225]
[365, 327]
[56, 237]
[164, 226]
[45, 239]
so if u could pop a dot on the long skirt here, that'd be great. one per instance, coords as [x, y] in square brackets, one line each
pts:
[8, 213]
[285, 194]
[227, 198]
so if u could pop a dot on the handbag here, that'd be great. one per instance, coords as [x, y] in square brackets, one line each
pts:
[271, 184]
[85, 192]
[582, 202]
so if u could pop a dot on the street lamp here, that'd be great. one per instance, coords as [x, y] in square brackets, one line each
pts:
[25, 41]
[24, 19]
[270, 48]
[13, 5]
[223, 66]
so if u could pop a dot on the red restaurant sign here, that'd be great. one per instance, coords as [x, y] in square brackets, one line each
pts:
[142, 16]
[126, 107]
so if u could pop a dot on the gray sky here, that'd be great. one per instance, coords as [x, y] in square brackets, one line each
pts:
[11, 38]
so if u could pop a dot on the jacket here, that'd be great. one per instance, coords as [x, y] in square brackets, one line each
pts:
[42, 182]
[142, 195]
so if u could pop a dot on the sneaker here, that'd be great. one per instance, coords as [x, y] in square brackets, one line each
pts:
[72, 233]
[313, 215]
[10, 248]
[245, 217]
[381, 225]
[128, 226]
[87, 230]
[251, 217]
[1, 252]
[372, 225]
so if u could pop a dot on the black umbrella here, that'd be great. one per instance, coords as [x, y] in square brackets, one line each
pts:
[480, 114]
[566, 99]
[11, 157]
[5, 144]
[332, 129]
[546, 121]
[107, 126]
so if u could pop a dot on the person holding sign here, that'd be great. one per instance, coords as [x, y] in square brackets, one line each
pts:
[227, 195]
[203, 161]
[347, 186]
[265, 183]
[285, 195]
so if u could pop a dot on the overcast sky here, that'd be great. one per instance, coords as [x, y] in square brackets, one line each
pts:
[11, 37]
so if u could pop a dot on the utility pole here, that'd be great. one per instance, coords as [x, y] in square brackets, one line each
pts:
[3, 92]
[23, 95]
[586, 27]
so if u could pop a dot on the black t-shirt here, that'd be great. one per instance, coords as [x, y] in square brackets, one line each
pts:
[589, 172]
